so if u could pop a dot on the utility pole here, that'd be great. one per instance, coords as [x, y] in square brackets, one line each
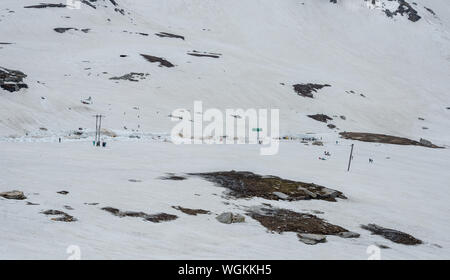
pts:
[350, 159]
[98, 127]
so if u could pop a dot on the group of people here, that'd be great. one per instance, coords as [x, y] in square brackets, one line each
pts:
[328, 154]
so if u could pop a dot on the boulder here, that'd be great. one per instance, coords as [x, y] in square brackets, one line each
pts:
[281, 195]
[311, 239]
[18, 195]
[230, 218]
[425, 142]
[348, 234]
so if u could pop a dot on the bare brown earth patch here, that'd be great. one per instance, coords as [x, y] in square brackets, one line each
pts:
[242, 184]
[386, 139]
[155, 218]
[392, 234]
[283, 220]
[192, 212]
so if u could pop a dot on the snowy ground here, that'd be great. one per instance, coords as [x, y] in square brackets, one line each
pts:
[409, 192]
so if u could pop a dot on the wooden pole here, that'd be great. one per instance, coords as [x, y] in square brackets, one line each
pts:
[96, 129]
[350, 159]
[99, 128]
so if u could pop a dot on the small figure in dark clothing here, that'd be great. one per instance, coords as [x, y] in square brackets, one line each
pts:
[370, 160]
[59, 139]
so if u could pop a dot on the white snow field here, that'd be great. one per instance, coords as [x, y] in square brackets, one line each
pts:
[387, 75]
[408, 192]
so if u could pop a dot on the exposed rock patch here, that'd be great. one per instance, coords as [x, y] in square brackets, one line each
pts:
[162, 62]
[32, 204]
[17, 195]
[91, 203]
[155, 218]
[64, 217]
[386, 139]
[65, 29]
[44, 5]
[134, 181]
[12, 80]
[311, 239]
[132, 77]
[349, 234]
[247, 185]
[320, 118]
[173, 177]
[310, 228]
[192, 212]
[331, 126]
[307, 90]
[169, 35]
[204, 54]
[392, 234]
[86, 2]
[404, 9]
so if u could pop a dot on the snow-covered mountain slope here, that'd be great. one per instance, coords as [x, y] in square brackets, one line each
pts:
[405, 189]
[385, 70]
[377, 66]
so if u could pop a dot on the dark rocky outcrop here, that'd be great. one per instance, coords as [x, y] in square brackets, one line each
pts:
[392, 234]
[44, 5]
[64, 217]
[169, 35]
[204, 54]
[320, 118]
[404, 9]
[88, 3]
[310, 229]
[331, 126]
[162, 62]
[12, 80]
[386, 139]
[17, 195]
[65, 29]
[307, 90]
[247, 185]
[171, 176]
[192, 212]
[132, 77]
[154, 218]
